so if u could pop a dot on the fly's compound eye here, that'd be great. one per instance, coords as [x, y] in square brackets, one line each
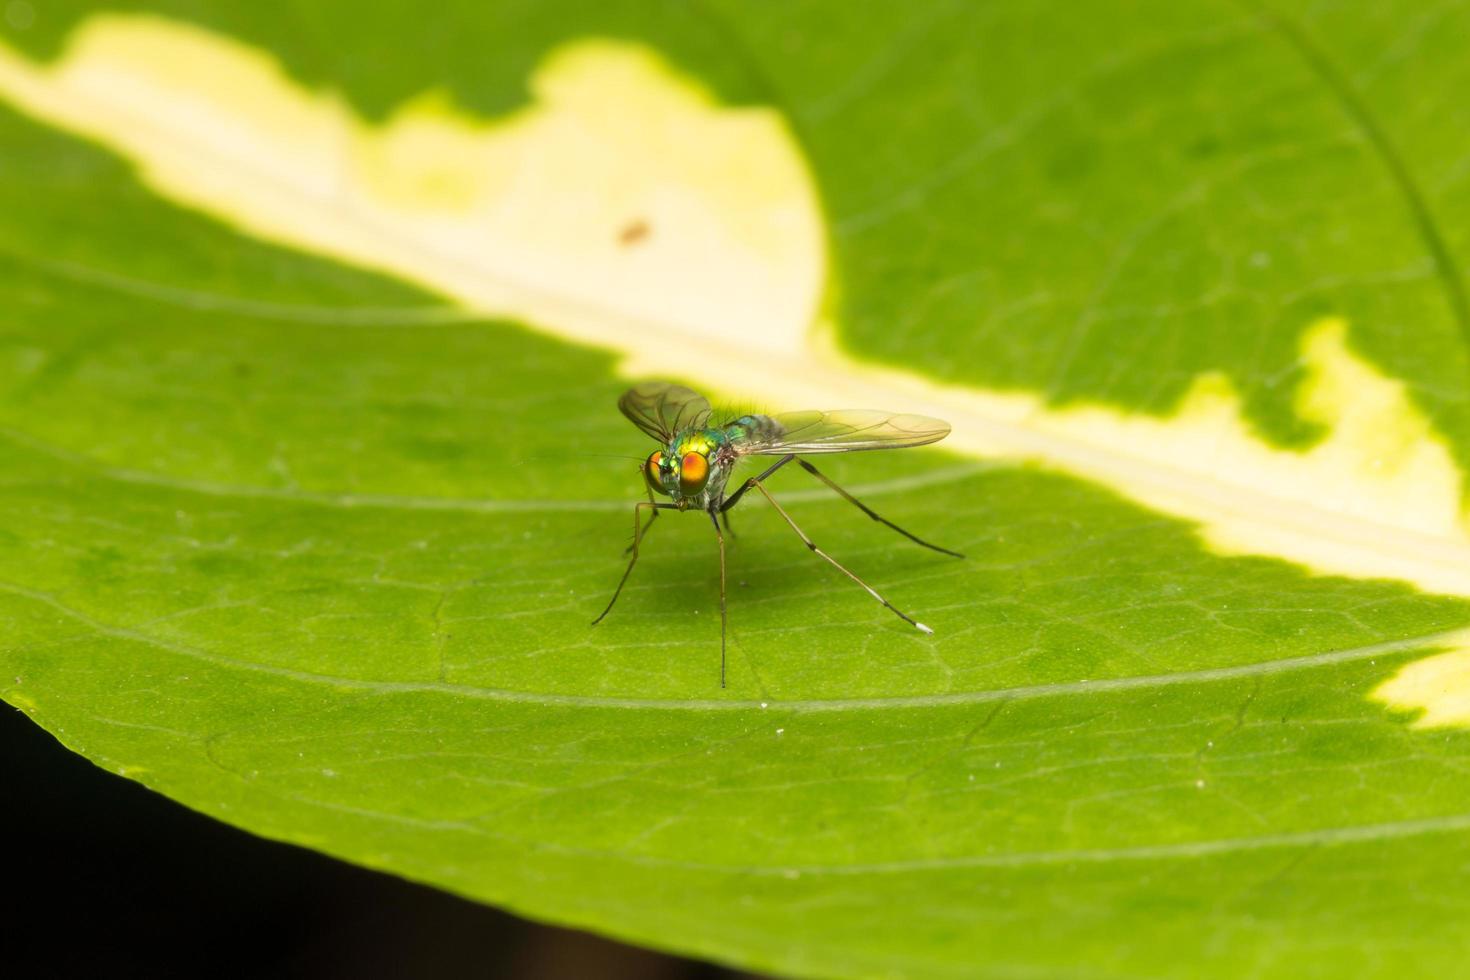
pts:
[650, 472]
[693, 474]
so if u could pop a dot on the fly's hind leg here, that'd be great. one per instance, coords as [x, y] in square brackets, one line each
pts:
[873, 514]
[835, 563]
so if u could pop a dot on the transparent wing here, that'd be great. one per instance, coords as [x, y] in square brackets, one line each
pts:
[661, 409]
[840, 432]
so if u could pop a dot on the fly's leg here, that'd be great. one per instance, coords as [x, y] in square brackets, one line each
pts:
[652, 503]
[838, 565]
[734, 498]
[871, 513]
[639, 528]
[725, 517]
[723, 622]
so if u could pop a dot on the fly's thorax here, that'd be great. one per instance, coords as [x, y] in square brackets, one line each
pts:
[753, 428]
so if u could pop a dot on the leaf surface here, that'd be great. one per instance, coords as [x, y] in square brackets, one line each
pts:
[313, 475]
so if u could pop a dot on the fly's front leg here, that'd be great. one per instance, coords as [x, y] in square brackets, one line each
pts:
[652, 503]
[639, 529]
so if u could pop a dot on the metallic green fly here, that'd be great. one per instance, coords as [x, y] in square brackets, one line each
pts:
[695, 459]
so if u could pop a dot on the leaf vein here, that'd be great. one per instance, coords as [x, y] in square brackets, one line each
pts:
[1444, 638]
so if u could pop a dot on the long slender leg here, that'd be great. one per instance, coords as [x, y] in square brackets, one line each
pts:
[638, 531]
[731, 501]
[871, 513]
[838, 565]
[725, 519]
[721, 538]
[654, 504]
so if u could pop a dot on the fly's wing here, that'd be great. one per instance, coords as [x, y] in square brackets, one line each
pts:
[661, 409]
[838, 432]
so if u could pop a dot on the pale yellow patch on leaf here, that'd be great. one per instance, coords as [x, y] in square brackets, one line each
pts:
[522, 217]
[1437, 688]
[624, 207]
[1378, 497]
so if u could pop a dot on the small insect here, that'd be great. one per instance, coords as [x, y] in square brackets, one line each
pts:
[695, 459]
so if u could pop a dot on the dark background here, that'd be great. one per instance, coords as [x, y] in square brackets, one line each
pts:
[105, 878]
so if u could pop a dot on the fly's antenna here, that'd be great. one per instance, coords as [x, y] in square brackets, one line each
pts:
[562, 458]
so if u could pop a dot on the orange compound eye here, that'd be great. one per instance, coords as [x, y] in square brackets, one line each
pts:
[650, 472]
[693, 473]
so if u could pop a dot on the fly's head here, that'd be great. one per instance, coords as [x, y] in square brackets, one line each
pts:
[691, 470]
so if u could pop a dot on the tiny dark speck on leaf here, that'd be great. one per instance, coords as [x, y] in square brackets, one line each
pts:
[634, 232]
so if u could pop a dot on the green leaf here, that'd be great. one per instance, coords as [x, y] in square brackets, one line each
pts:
[315, 320]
